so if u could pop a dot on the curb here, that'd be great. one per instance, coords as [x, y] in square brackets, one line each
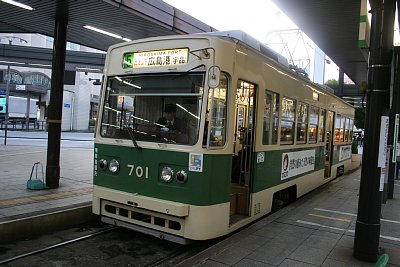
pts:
[44, 223]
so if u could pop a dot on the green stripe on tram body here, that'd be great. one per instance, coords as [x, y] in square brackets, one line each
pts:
[211, 186]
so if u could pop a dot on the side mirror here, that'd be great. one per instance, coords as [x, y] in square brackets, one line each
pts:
[213, 77]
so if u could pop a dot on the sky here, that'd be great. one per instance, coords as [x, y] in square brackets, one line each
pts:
[259, 18]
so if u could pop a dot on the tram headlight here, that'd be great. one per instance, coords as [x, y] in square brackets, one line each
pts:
[166, 174]
[181, 176]
[103, 164]
[114, 166]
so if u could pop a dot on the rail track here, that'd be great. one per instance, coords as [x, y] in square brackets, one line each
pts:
[108, 246]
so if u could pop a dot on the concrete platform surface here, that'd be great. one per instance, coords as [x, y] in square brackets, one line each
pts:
[24, 211]
[316, 230]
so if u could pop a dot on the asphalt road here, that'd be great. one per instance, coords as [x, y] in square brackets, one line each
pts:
[39, 138]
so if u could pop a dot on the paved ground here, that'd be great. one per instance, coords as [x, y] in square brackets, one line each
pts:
[16, 160]
[317, 230]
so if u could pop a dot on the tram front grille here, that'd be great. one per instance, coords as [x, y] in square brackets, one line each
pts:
[146, 218]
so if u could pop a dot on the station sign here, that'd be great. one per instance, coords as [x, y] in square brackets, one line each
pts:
[396, 134]
[20, 87]
[156, 58]
[383, 138]
[3, 92]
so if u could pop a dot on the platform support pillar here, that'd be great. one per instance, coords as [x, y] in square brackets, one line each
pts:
[56, 103]
[367, 232]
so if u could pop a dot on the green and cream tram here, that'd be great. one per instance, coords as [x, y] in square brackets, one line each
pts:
[253, 134]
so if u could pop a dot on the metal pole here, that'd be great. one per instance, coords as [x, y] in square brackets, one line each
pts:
[366, 240]
[28, 111]
[341, 83]
[56, 101]
[395, 109]
[7, 102]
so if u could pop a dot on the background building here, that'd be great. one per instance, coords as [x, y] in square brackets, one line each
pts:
[81, 96]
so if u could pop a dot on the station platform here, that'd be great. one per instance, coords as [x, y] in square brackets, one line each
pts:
[316, 230]
[24, 211]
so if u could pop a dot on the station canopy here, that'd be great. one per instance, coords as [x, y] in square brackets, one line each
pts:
[332, 25]
[131, 19]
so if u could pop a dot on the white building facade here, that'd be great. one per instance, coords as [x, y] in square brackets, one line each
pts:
[80, 98]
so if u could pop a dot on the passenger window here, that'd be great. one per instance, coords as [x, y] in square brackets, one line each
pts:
[216, 112]
[321, 125]
[313, 128]
[288, 120]
[337, 128]
[342, 124]
[347, 131]
[302, 123]
[271, 118]
[350, 130]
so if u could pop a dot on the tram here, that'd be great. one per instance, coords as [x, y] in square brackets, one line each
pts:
[201, 134]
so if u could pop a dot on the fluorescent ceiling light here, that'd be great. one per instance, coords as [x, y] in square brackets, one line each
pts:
[40, 65]
[15, 3]
[12, 62]
[106, 33]
[79, 68]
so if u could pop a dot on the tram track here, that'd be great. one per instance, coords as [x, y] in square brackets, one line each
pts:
[60, 244]
[110, 246]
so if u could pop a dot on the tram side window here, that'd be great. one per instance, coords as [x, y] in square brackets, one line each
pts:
[313, 128]
[321, 125]
[216, 109]
[342, 125]
[288, 120]
[347, 135]
[271, 118]
[302, 123]
[350, 130]
[337, 133]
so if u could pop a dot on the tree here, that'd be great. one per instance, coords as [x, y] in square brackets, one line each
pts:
[359, 118]
[332, 82]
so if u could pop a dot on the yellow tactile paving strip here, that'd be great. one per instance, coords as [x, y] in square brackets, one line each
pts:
[33, 199]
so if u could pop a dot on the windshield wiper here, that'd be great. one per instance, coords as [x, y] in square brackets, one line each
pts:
[133, 138]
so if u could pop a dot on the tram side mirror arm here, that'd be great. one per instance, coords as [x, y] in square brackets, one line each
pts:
[213, 76]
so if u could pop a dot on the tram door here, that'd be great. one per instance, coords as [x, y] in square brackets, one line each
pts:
[243, 151]
[328, 143]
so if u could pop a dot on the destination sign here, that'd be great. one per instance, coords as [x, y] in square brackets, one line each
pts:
[156, 58]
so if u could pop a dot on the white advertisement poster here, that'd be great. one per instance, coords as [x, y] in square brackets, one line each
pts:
[344, 152]
[295, 163]
[383, 141]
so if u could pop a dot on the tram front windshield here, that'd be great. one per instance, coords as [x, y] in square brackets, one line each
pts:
[154, 108]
